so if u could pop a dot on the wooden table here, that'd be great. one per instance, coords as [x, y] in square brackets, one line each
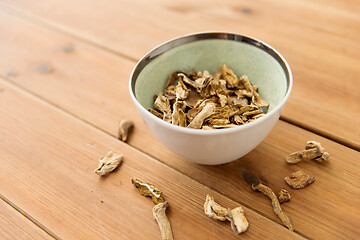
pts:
[64, 69]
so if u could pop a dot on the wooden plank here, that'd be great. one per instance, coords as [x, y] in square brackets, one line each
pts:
[92, 85]
[49, 174]
[13, 225]
[320, 42]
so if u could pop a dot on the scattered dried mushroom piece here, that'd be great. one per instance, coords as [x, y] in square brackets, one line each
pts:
[214, 210]
[275, 203]
[313, 151]
[323, 158]
[148, 190]
[238, 220]
[284, 196]
[255, 182]
[125, 127]
[236, 216]
[298, 156]
[325, 155]
[299, 179]
[159, 213]
[108, 163]
[314, 144]
[204, 101]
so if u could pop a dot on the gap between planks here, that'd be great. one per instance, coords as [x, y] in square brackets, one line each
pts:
[29, 217]
[64, 111]
[55, 27]
[322, 133]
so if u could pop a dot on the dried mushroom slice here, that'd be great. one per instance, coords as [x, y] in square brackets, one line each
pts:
[239, 101]
[242, 93]
[148, 190]
[162, 104]
[299, 180]
[195, 84]
[108, 163]
[313, 151]
[236, 216]
[230, 77]
[222, 100]
[225, 126]
[275, 203]
[156, 113]
[238, 220]
[159, 213]
[258, 101]
[192, 113]
[324, 158]
[247, 85]
[251, 113]
[177, 107]
[308, 154]
[214, 210]
[284, 196]
[193, 98]
[227, 111]
[172, 79]
[314, 144]
[181, 91]
[217, 121]
[207, 127]
[170, 93]
[124, 129]
[247, 108]
[182, 118]
[207, 111]
[324, 155]
[238, 120]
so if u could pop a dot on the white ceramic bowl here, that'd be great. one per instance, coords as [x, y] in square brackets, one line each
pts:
[264, 66]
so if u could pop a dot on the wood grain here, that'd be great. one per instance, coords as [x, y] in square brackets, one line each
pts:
[13, 225]
[51, 157]
[320, 41]
[92, 85]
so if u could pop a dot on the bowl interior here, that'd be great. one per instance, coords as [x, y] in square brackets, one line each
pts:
[262, 69]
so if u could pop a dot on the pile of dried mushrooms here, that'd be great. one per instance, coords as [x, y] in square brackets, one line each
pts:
[203, 101]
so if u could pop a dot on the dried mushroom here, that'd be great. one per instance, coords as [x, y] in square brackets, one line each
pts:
[255, 182]
[275, 203]
[214, 210]
[236, 216]
[108, 163]
[313, 151]
[125, 127]
[238, 220]
[159, 213]
[204, 101]
[314, 144]
[323, 158]
[148, 190]
[284, 196]
[303, 155]
[162, 103]
[156, 113]
[299, 179]
[207, 111]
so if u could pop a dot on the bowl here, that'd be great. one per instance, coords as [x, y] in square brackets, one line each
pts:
[245, 55]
